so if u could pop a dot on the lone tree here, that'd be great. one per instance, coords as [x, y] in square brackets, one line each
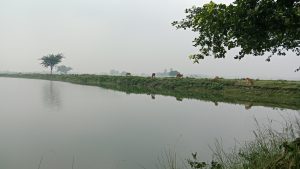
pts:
[257, 27]
[63, 69]
[51, 60]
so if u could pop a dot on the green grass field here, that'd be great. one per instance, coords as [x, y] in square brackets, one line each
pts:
[271, 93]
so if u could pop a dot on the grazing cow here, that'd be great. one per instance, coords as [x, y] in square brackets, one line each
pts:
[216, 78]
[179, 75]
[128, 74]
[249, 81]
[153, 75]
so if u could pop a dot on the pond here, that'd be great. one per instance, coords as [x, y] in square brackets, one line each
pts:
[59, 125]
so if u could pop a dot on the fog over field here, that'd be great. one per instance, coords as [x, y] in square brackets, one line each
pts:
[132, 35]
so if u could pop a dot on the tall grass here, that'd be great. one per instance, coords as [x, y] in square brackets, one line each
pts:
[170, 160]
[270, 149]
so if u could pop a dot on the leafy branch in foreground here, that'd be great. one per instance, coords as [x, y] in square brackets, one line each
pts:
[257, 27]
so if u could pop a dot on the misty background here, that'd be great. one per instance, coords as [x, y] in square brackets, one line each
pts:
[127, 35]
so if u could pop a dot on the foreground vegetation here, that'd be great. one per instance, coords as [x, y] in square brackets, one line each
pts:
[272, 93]
[270, 149]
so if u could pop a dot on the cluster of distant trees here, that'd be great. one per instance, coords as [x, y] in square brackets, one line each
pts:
[118, 73]
[52, 60]
[63, 69]
[166, 73]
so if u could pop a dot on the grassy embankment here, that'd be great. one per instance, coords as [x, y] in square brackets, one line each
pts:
[271, 93]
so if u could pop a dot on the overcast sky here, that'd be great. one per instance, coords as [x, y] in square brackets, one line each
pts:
[132, 35]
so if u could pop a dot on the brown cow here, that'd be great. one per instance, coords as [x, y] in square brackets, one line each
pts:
[179, 75]
[249, 81]
[153, 75]
[216, 78]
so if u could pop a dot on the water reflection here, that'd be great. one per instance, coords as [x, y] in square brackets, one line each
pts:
[179, 99]
[248, 106]
[153, 96]
[108, 129]
[52, 98]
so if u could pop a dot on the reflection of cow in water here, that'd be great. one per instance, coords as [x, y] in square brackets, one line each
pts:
[153, 75]
[179, 75]
[128, 74]
[249, 81]
[153, 96]
[248, 106]
[179, 99]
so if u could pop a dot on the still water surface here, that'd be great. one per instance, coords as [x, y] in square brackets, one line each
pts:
[105, 129]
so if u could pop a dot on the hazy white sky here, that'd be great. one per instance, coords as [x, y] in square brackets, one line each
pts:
[133, 35]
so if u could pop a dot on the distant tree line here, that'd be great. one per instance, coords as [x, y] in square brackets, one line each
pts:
[165, 73]
[118, 73]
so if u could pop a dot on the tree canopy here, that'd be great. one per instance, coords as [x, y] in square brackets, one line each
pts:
[173, 72]
[256, 27]
[51, 60]
[63, 69]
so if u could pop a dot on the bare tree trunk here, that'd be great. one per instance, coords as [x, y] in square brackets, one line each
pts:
[51, 69]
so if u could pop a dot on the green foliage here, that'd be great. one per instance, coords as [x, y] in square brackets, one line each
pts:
[51, 60]
[63, 69]
[256, 26]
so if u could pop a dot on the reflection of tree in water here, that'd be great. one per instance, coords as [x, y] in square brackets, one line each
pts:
[51, 96]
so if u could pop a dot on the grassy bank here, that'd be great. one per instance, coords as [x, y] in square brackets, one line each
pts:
[270, 149]
[271, 93]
